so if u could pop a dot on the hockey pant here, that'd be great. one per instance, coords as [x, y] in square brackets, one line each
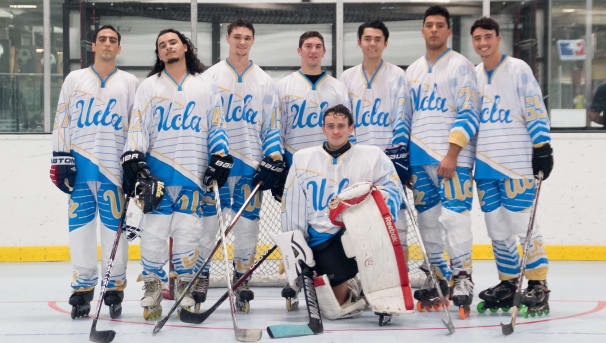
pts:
[89, 200]
[507, 204]
[246, 229]
[443, 207]
[372, 239]
[177, 216]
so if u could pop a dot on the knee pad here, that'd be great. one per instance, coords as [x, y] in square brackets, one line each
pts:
[497, 224]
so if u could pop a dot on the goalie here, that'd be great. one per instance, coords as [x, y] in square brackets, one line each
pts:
[369, 195]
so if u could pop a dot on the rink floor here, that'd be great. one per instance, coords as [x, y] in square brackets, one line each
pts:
[34, 308]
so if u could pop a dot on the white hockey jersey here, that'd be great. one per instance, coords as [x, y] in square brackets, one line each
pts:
[315, 177]
[92, 120]
[379, 104]
[445, 109]
[251, 113]
[513, 118]
[178, 126]
[302, 106]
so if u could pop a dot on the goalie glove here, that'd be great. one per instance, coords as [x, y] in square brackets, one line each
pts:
[542, 160]
[63, 171]
[218, 169]
[401, 161]
[296, 254]
[134, 165]
[268, 173]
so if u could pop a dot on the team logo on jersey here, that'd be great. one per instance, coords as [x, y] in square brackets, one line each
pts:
[242, 112]
[178, 121]
[431, 102]
[309, 119]
[371, 117]
[99, 118]
[319, 198]
[493, 113]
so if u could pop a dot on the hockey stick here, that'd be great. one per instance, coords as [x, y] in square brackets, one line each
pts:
[161, 323]
[242, 335]
[198, 318]
[313, 311]
[507, 329]
[107, 336]
[449, 325]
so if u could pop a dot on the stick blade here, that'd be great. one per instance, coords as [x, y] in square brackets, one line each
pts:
[248, 335]
[289, 330]
[191, 317]
[449, 326]
[159, 325]
[507, 329]
[105, 336]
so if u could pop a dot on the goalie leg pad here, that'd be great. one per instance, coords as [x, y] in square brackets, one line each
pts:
[294, 250]
[372, 238]
[329, 306]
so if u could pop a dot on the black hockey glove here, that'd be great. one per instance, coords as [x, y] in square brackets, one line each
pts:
[149, 191]
[134, 166]
[268, 173]
[63, 171]
[278, 189]
[400, 158]
[542, 160]
[218, 169]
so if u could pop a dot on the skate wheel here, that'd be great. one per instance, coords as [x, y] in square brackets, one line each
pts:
[540, 313]
[524, 311]
[532, 314]
[464, 312]
[420, 307]
[505, 309]
[481, 307]
[436, 307]
[494, 309]
[546, 312]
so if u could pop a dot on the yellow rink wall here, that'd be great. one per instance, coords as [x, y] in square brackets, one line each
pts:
[480, 252]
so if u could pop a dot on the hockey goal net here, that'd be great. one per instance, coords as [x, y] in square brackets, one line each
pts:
[268, 273]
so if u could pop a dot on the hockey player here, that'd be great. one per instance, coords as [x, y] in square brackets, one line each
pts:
[176, 133]
[443, 126]
[305, 95]
[89, 132]
[250, 107]
[316, 176]
[380, 102]
[513, 146]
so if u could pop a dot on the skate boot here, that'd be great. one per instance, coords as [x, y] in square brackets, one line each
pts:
[113, 299]
[152, 296]
[243, 294]
[428, 297]
[498, 297]
[80, 301]
[535, 299]
[181, 283]
[462, 292]
[199, 290]
[292, 298]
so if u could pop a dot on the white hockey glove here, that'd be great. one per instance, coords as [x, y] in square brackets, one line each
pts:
[294, 250]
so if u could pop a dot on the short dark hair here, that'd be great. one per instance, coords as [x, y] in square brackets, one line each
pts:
[194, 66]
[437, 10]
[375, 24]
[107, 27]
[309, 34]
[486, 24]
[339, 109]
[240, 23]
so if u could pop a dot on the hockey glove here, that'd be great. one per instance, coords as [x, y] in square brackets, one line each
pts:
[542, 160]
[399, 157]
[63, 171]
[149, 191]
[268, 173]
[218, 169]
[134, 165]
[278, 189]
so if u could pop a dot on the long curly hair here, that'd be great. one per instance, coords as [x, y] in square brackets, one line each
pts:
[194, 66]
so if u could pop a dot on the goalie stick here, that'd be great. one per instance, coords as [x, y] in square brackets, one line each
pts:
[313, 311]
[198, 318]
[507, 329]
[449, 325]
[106, 336]
[242, 335]
[163, 321]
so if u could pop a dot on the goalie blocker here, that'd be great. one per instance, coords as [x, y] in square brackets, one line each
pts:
[372, 239]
